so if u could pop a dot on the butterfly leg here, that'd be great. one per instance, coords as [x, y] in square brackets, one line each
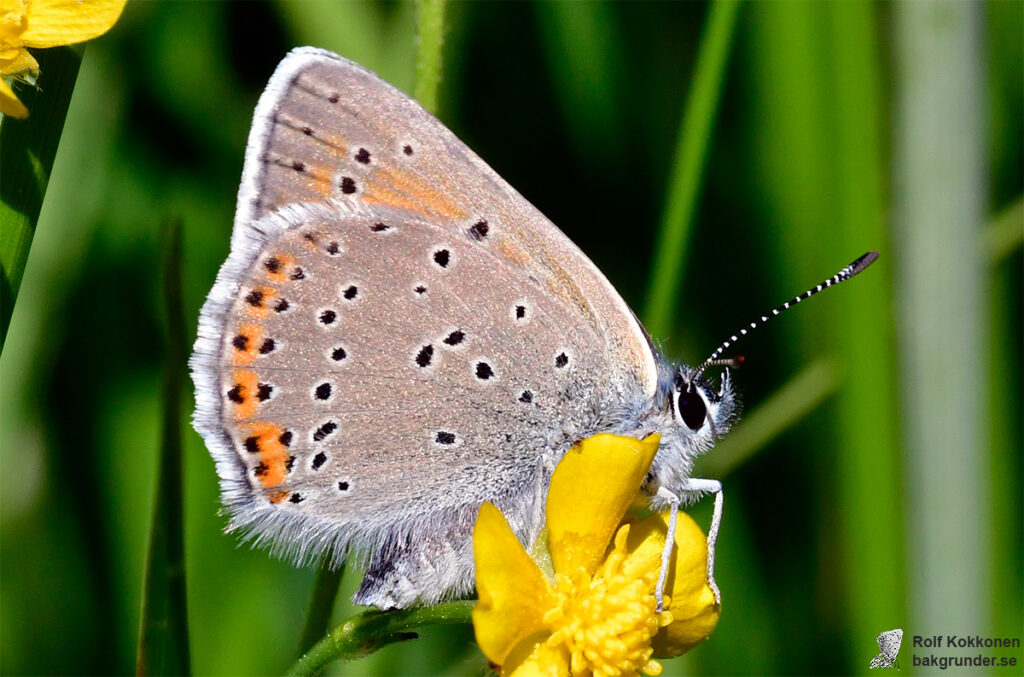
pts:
[704, 486]
[698, 486]
[670, 541]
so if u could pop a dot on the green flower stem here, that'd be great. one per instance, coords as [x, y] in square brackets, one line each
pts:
[321, 605]
[27, 150]
[163, 633]
[430, 36]
[363, 634]
[688, 166]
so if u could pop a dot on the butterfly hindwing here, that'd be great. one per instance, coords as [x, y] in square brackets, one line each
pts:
[361, 394]
[316, 347]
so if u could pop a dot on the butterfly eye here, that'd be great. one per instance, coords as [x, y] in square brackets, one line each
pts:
[691, 407]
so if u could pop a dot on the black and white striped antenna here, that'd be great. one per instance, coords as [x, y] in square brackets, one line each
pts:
[842, 276]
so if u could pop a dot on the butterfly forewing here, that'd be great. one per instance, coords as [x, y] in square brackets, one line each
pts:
[328, 129]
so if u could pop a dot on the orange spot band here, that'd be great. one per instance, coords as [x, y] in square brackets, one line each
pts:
[251, 333]
[257, 302]
[278, 266]
[245, 381]
[272, 454]
[405, 190]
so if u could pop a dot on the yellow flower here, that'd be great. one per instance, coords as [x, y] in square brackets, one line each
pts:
[44, 23]
[593, 611]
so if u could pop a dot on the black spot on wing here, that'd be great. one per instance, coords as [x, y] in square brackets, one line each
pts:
[478, 231]
[425, 355]
[484, 371]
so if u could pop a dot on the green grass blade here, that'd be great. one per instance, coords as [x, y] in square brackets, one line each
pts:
[321, 605]
[939, 208]
[586, 61]
[27, 150]
[867, 466]
[801, 395]
[688, 167]
[819, 167]
[1005, 375]
[1005, 234]
[429, 39]
[163, 636]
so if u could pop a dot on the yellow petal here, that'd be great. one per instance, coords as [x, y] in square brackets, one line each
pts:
[66, 22]
[646, 541]
[513, 593]
[590, 491]
[18, 63]
[692, 603]
[12, 21]
[9, 103]
[537, 660]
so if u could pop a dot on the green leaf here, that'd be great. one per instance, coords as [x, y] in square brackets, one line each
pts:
[27, 150]
[1004, 234]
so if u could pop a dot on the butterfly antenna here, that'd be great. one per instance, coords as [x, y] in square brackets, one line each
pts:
[734, 362]
[842, 276]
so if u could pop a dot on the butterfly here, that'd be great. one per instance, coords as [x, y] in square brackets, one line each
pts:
[398, 336]
[889, 642]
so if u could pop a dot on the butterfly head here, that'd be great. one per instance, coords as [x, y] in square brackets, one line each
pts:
[698, 408]
[694, 413]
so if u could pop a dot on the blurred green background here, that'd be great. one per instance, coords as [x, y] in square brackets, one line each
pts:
[877, 480]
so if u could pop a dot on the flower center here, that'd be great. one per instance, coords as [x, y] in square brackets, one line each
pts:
[607, 622]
